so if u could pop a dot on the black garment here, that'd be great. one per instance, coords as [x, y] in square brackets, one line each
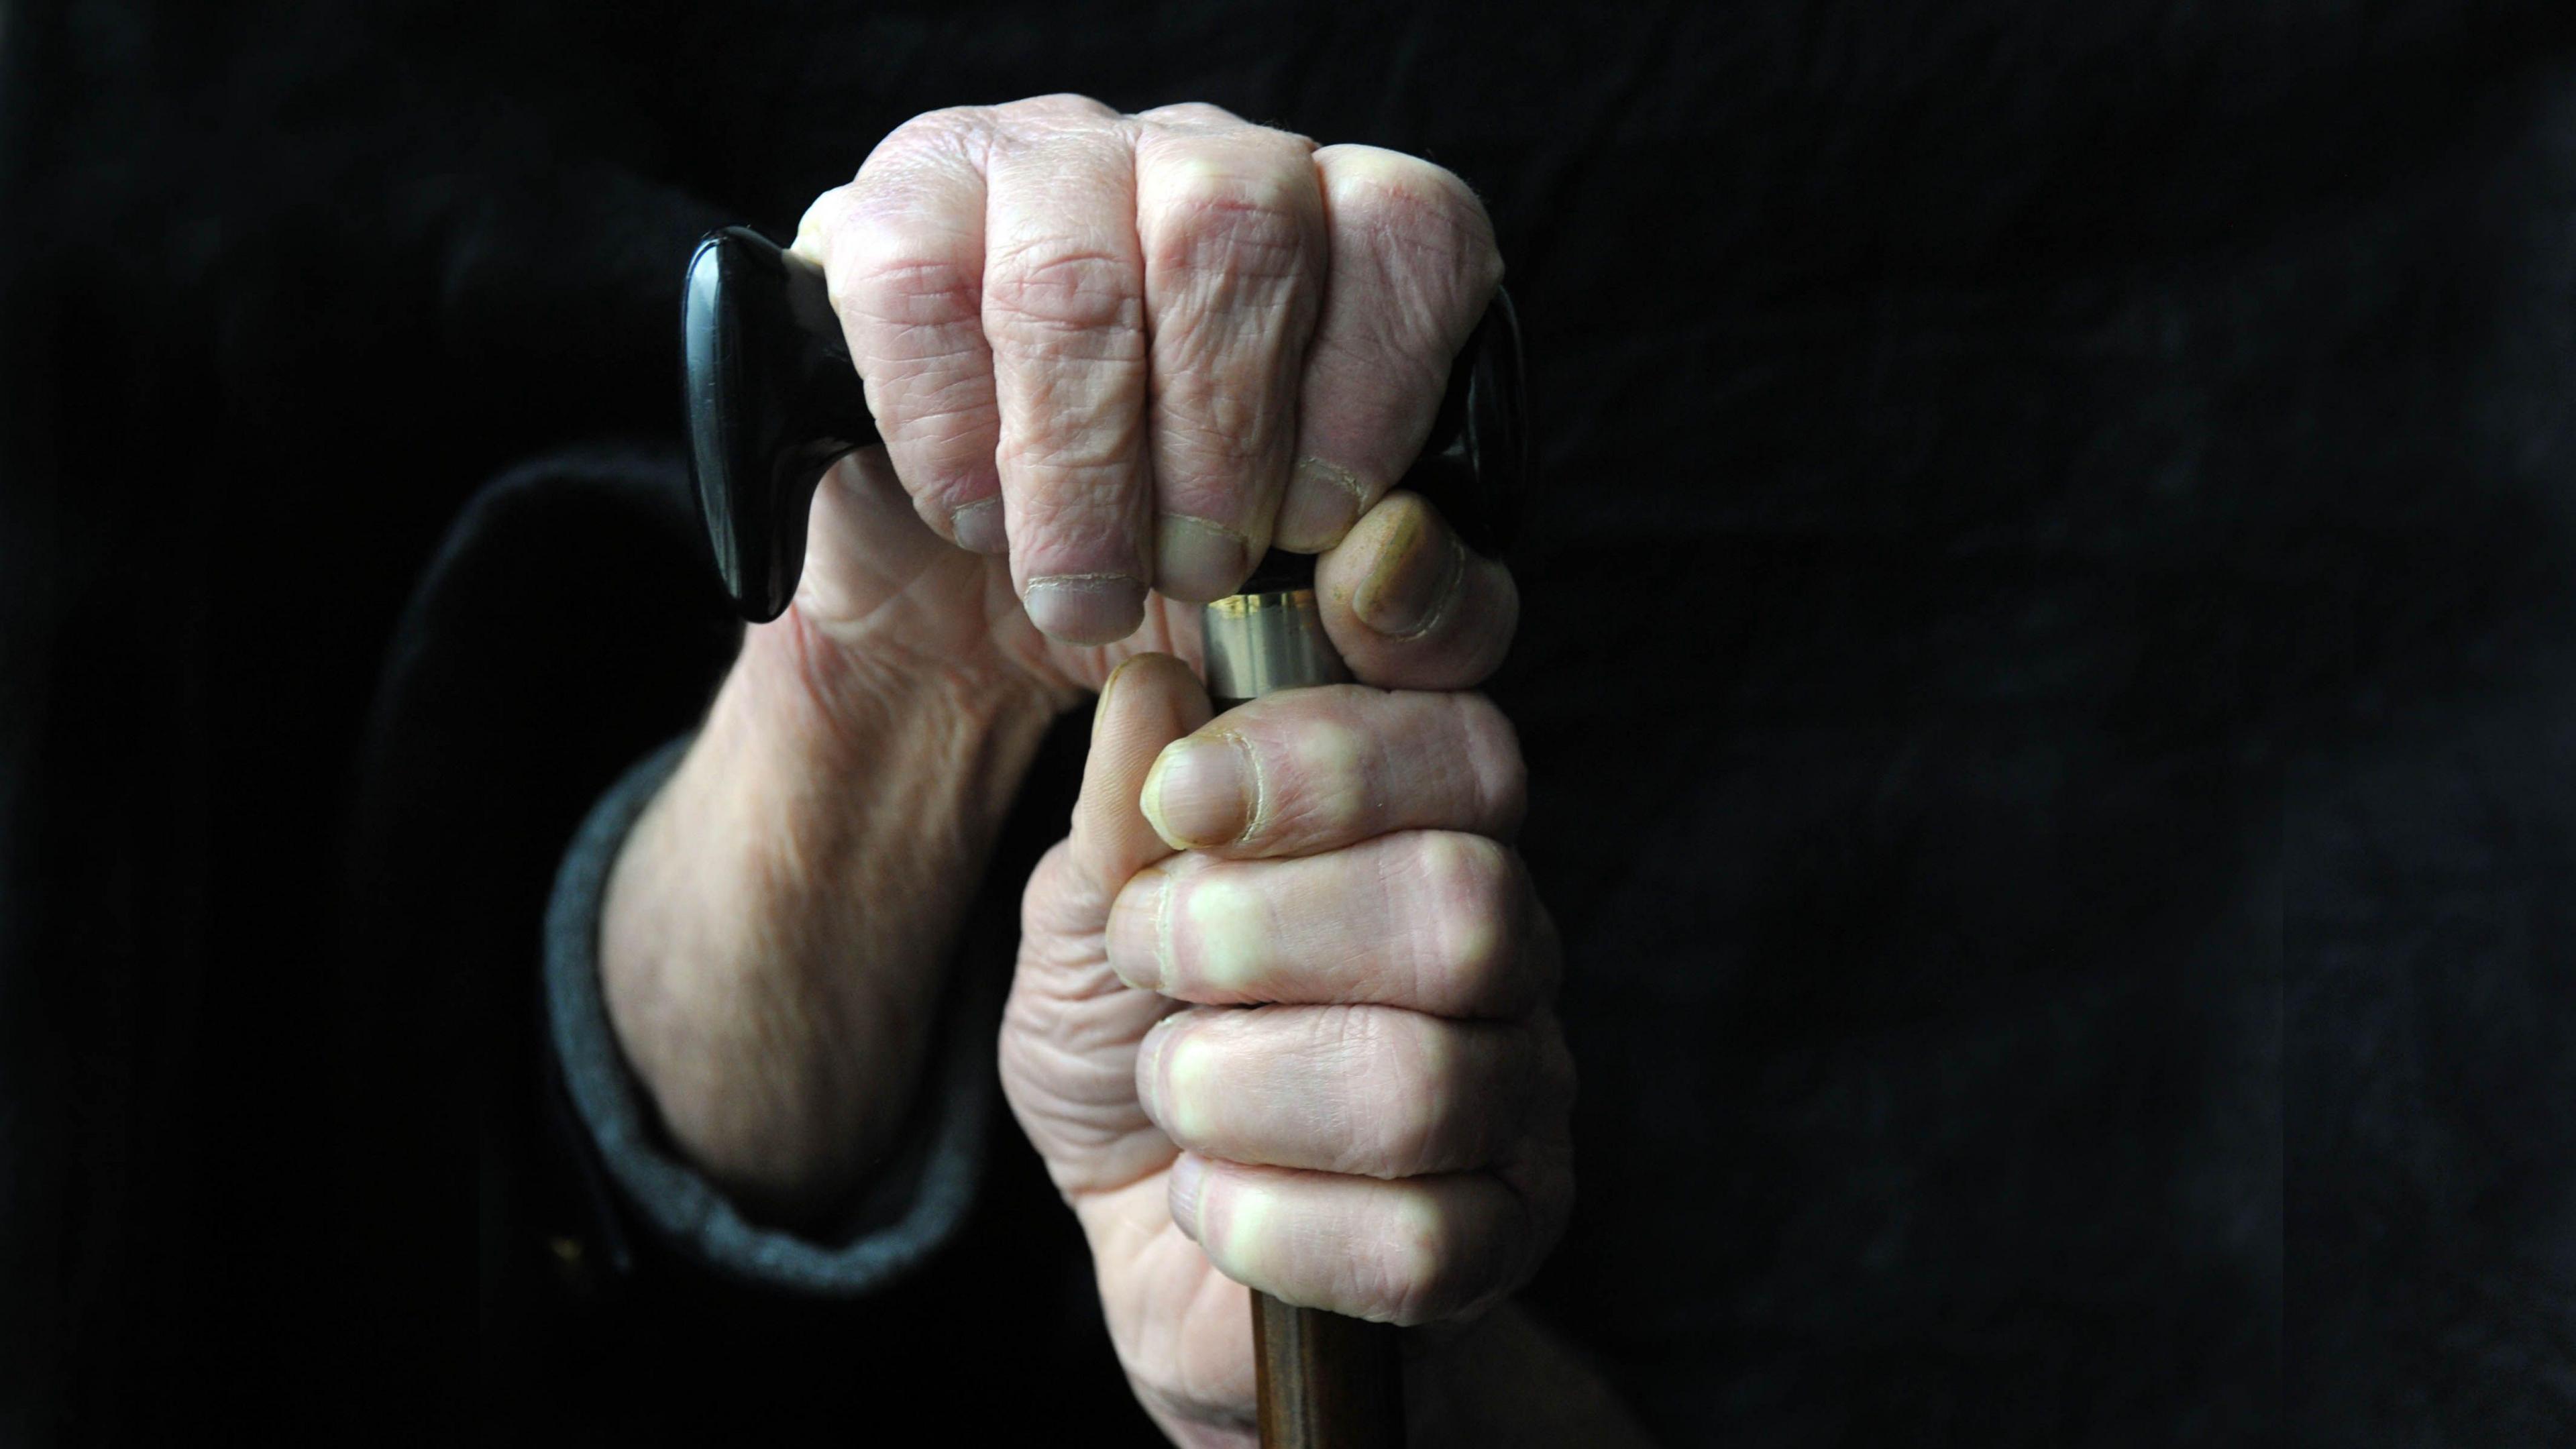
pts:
[2047, 678]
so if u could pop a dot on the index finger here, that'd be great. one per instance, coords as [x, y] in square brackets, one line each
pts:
[1310, 770]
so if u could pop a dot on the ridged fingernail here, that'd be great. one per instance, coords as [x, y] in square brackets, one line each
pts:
[1189, 1179]
[1195, 560]
[1199, 792]
[1140, 931]
[1418, 564]
[1321, 504]
[978, 527]
[1086, 608]
[1149, 1065]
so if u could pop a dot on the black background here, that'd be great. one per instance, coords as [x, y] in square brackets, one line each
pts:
[2048, 677]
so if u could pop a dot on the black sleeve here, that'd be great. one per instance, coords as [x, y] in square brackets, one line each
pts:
[909, 1206]
[568, 631]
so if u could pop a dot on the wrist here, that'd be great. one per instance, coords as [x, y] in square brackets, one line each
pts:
[777, 926]
[822, 692]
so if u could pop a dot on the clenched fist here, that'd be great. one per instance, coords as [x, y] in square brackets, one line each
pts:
[1136, 351]
[1282, 1019]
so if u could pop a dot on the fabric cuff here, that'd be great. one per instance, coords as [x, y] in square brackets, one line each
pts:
[911, 1205]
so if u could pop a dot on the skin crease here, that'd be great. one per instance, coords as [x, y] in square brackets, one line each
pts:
[1112, 325]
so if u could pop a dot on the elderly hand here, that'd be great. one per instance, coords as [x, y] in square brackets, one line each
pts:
[1133, 352]
[1282, 1018]
[1129, 351]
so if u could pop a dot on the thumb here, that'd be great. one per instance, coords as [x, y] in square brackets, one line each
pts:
[1150, 701]
[1069, 1035]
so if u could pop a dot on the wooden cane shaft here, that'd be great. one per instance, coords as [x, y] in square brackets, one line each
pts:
[1326, 1382]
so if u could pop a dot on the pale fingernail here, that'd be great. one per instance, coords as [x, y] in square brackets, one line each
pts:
[978, 527]
[1195, 560]
[1321, 504]
[1181, 1084]
[1230, 929]
[1086, 608]
[1140, 933]
[1199, 792]
[1149, 1069]
[1189, 1179]
[1419, 565]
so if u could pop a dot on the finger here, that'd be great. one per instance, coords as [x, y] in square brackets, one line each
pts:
[1071, 1027]
[1231, 220]
[1367, 1091]
[1428, 920]
[902, 252]
[1405, 1252]
[1311, 770]
[1064, 312]
[1197, 116]
[1412, 265]
[1146, 703]
[1410, 606]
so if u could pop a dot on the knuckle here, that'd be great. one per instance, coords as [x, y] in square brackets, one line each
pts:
[1092, 457]
[1418, 1255]
[906, 276]
[1429, 1269]
[1410, 203]
[1242, 222]
[1224, 434]
[1471, 890]
[1493, 753]
[1187, 113]
[1414, 1121]
[1050, 293]
[1058, 106]
[1425, 236]
[935, 130]
[929, 141]
[1319, 783]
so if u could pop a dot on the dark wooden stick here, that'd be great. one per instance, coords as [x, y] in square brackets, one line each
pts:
[1327, 1382]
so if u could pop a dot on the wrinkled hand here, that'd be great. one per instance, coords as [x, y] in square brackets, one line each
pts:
[1131, 352]
[1126, 351]
[1282, 1018]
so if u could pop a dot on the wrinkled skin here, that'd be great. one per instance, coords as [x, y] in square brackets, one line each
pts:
[1281, 1016]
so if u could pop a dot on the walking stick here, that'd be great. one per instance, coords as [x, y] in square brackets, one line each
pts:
[773, 399]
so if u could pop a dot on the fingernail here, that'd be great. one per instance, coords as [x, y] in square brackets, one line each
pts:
[1100, 706]
[1199, 792]
[1195, 560]
[1321, 504]
[1419, 564]
[1189, 1179]
[978, 526]
[1140, 931]
[1086, 608]
[1149, 1065]
[1231, 931]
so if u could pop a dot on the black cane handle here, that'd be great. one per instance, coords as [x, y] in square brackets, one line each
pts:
[773, 398]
